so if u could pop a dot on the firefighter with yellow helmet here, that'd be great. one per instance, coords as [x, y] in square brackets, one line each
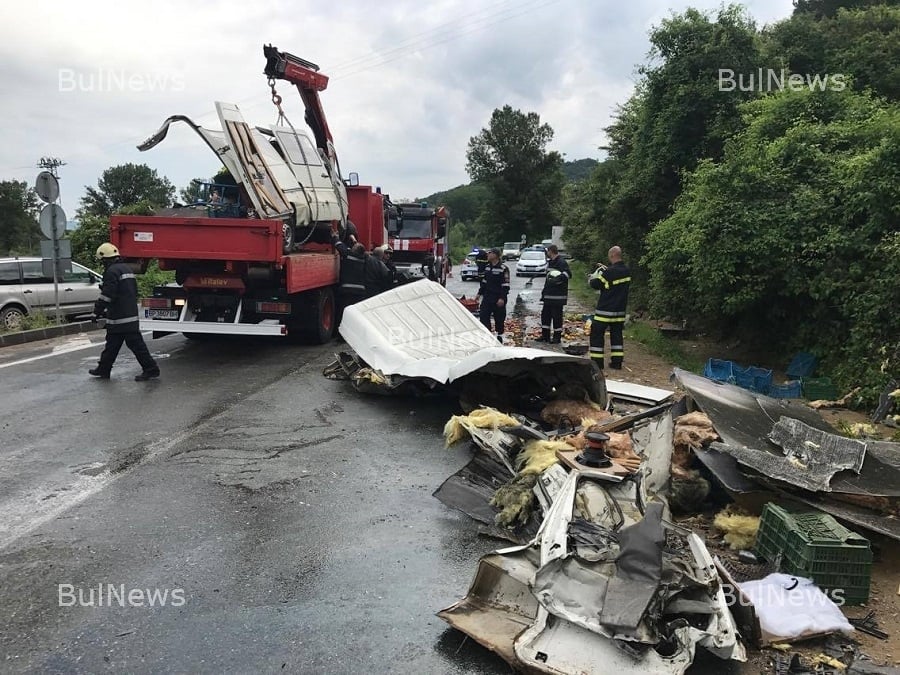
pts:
[118, 302]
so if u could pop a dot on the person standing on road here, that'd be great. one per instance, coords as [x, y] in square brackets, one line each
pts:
[613, 283]
[554, 296]
[494, 293]
[387, 257]
[352, 278]
[378, 277]
[481, 262]
[118, 302]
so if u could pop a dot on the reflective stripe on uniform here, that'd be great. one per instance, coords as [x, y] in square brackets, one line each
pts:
[104, 298]
[623, 280]
[615, 318]
[127, 275]
[354, 287]
[129, 319]
[556, 297]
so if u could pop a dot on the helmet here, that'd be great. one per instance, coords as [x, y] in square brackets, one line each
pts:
[497, 251]
[388, 249]
[107, 250]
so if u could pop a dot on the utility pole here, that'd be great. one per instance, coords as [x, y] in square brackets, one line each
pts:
[52, 216]
[51, 164]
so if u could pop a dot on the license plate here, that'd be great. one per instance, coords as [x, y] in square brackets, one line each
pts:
[161, 314]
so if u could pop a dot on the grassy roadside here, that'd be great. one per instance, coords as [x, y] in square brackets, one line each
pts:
[639, 331]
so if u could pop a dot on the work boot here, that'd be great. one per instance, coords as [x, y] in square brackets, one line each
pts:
[500, 339]
[557, 338]
[96, 372]
[545, 335]
[146, 375]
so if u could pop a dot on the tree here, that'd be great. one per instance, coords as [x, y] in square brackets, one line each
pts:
[525, 180]
[465, 202]
[126, 184]
[828, 8]
[19, 231]
[192, 192]
[678, 115]
[91, 232]
[863, 45]
[583, 210]
[789, 241]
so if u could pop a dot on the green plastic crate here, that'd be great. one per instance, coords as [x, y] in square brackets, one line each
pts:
[816, 546]
[819, 389]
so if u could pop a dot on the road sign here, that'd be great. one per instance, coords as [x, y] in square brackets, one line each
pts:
[48, 214]
[64, 251]
[47, 187]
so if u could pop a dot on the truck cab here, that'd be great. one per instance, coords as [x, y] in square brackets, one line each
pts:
[417, 234]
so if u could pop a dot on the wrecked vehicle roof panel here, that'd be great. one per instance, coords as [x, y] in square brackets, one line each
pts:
[421, 330]
[745, 421]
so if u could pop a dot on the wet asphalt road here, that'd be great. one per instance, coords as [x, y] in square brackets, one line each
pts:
[288, 520]
[293, 516]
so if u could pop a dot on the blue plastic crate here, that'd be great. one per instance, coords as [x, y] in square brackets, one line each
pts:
[753, 378]
[719, 370]
[802, 365]
[786, 390]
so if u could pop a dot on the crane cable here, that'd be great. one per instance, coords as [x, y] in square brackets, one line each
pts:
[282, 118]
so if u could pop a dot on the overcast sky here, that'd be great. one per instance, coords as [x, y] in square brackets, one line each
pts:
[411, 81]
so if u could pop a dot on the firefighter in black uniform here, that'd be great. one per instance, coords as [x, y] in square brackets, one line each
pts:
[613, 283]
[377, 275]
[118, 302]
[481, 261]
[352, 280]
[494, 292]
[554, 296]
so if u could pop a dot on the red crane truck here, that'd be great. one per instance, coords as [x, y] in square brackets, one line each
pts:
[253, 256]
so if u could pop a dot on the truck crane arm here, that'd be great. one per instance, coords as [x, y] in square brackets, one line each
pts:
[309, 82]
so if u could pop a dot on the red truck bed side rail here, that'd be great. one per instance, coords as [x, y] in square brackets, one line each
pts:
[176, 238]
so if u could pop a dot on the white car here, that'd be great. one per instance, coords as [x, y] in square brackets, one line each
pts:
[469, 269]
[532, 263]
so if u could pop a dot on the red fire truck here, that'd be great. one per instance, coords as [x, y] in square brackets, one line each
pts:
[417, 233]
[253, 255]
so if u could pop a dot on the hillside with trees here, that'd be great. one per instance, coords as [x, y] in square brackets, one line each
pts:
[770, 217]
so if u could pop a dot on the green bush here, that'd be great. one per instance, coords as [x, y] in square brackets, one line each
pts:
[790, 241]
[153, 277]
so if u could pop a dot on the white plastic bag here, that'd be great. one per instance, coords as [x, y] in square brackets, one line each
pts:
[790, 607]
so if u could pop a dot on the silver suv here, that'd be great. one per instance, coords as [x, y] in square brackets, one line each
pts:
[24, 289]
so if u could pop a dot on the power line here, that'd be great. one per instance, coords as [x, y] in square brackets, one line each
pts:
[51, 164]
[433, 37]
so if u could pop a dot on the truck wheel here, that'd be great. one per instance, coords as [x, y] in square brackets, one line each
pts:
[287, 234]
[316, 317]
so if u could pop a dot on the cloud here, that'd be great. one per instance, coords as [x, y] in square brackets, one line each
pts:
[410, 83]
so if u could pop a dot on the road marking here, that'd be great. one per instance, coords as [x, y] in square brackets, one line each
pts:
[67, 348]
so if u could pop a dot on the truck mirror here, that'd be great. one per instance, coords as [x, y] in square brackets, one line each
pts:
[353, 179]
